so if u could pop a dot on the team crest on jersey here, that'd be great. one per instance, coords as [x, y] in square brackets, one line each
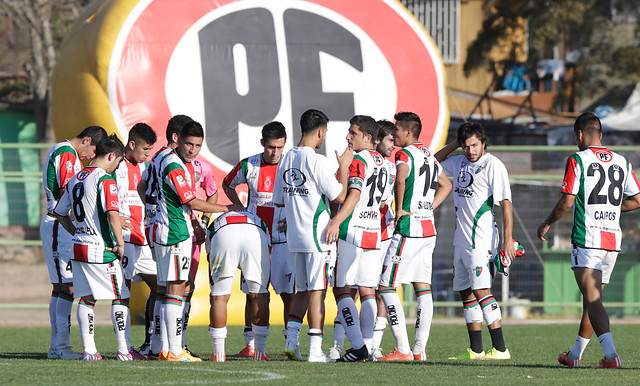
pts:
[479, 169]
[477, 271]
[181, 181]
[83, 174]
[603, 155]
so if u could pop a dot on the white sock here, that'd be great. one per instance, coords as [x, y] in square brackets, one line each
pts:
[395, 316]
[368, 310]
[63, 318]
[172, 312]
[338, 332]
[218, 336]
[578, 348]
[157, 337]
[186, 308]
[119, 316]
[350, 320]
[294, 325]
[423, 320]
[260, 334]
[315, 341]
[378, 331]
[606, 341]
[86, 323]
[248, 337]
[52, 319]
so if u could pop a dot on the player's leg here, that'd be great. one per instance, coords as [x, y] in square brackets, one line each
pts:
[282, 277]
[379, 326]
[493, 318]
[260, 319]
[368, 311]
[315, 315]
[424, 317]
[320, 266]
[190, 287]
[63, 254]
[46, 235]
[86, 318]
[299, 307]
[218, 318]
[152, 282]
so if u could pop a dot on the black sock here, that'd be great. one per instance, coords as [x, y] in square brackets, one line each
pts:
[497, 339]
[475, 337]
[148, 316]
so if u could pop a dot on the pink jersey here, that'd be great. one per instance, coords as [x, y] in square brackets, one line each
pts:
[204, 177]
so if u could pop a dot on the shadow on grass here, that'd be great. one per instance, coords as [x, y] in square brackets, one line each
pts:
[23, 355]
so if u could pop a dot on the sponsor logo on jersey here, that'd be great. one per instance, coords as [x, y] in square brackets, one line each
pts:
[114, 203]
[465, 179]
[377, 159]
[112, 270]
[294, 177]
[113, 189]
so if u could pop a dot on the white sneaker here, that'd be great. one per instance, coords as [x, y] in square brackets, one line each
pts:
[335, 352]
[318, 358]
[68, 354]
[52, 354]
[376, 353]
[292, 351]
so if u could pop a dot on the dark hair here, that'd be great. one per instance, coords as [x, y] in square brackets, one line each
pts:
[366, 124]
[411, 119]
[144, 132]
[588, 123]
[110, 144]
[192, 129]
[311, 120]
[175, 125]
[384, 128]
[274, 130]
[96, 133]
[469, 129]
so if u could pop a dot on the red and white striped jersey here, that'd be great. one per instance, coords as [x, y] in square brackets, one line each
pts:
[243, 217]
[62, 163]
[600, 179]
[128, 176]
[259, 177]
[90, 195]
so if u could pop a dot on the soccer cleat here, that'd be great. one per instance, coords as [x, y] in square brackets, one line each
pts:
[247, 352]
[52, 354]
[191, 353]
[145, 349]
[335, 352]
[91, 357]
[318, 358]
[615, 363]
[376, 353]
[184, 357]
[470, 354]
[353, 355]
[218, 357]
[137, 355]
[421, 356]
[260, 356]
[397, 356]
[67, 354]
[292, 351]
[163, 355]
[563, 359]
[124, 356]
[495, 354]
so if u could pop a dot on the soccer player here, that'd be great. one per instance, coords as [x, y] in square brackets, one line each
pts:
[172, 232]
[62, 163]
[98, 244]
[480, 181]
[239, 240]
[259, 173]
[420, 187]
[137, 262]
[357, 226]
[304, 185]
[596, 181]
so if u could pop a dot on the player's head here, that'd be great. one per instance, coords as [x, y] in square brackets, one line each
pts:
[363, 132]
[141, 141]
[109, 153]
[174, 127]
[190, 141]
[473, 140]
[587, 128]
[384, 142]
[314, 122]
[89, 138]
[274, 136]
[408, 128]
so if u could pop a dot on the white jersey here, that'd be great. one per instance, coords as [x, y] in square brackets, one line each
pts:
[305, 185]
[151, 176]
[128, 175]
[90, 195]
[368, 175]
[387, 221]
[62, 163]
[477, 187]
[599, 178]
[243, 217]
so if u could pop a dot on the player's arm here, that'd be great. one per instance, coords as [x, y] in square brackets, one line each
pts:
[113, 217]
[444, 188]
[66, 223]
[333, 230]
[142, 188]
[344, 161]
[64, 206]
[231, 194]
[399, 189]
[443, 153]
[563, 206]
[207, 207]
[630, 203]
[507, 222]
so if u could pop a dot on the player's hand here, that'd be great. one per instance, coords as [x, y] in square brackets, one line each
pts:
[400, 213]
[126, 222]
[282, 225]
[509, 249]
[199, 232]
[332, 232]
[118, 250]
[542, 231]
[344, 160]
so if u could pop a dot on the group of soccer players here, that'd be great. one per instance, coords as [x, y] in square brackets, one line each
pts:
[305, 227]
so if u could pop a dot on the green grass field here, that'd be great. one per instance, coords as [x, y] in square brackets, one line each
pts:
[534, 349]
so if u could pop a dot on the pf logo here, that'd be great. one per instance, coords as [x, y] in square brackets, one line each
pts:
[603, 156]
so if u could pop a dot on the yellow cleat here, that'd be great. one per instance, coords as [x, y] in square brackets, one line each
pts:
[184, 357]
[495, 354]
[470, 354]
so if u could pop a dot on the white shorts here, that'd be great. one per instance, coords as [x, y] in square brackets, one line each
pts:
[598, 259]
[174, 261]
[408, 260]
[137, 260]
[313, 270]
[156, 259]
[471, 268]
[243, 246]
[356, 266]
[282, 277]
[102, 281]
[56, 245]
